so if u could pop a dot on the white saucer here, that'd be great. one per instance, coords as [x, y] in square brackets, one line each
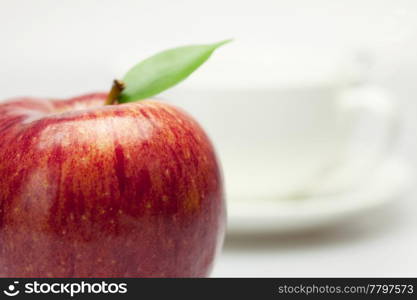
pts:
[390, 181]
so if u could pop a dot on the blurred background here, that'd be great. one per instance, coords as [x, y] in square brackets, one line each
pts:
[312, 110]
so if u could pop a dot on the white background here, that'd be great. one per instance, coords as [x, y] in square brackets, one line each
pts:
[63, 48]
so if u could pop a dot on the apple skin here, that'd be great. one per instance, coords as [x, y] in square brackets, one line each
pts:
[87, 190]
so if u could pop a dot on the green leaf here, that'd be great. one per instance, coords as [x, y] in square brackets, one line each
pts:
[164, 70]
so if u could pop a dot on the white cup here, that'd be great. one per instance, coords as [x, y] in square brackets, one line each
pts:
[277, 142]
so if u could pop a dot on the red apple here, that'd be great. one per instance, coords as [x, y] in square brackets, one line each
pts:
[88, 190]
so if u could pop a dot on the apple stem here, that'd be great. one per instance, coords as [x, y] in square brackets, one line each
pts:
[116, 89]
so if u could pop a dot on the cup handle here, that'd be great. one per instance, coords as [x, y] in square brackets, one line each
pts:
[374, 104]
[364, 102]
